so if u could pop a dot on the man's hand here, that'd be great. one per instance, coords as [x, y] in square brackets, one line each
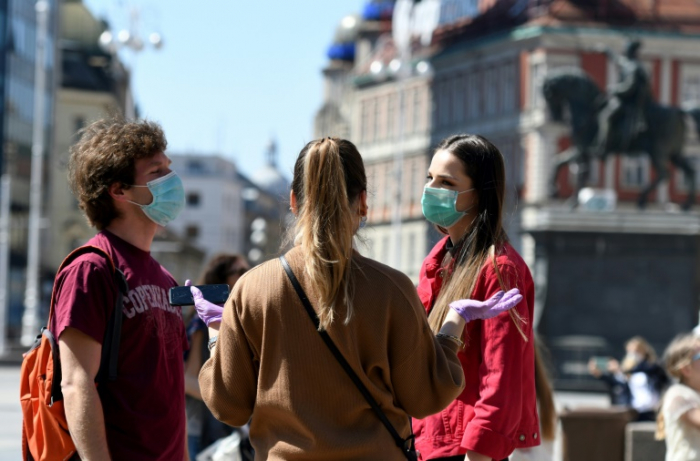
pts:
[80, 362]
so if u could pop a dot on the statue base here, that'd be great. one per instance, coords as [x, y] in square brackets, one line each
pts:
[604, 277]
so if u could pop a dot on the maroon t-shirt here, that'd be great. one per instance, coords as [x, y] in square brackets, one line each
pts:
[144, 408]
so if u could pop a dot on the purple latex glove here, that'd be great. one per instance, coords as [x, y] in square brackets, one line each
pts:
[470, 309]
[207, 311]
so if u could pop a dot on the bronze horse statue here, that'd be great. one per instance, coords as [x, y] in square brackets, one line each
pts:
[572, 89]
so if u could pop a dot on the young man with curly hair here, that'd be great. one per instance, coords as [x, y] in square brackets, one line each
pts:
[122, 180]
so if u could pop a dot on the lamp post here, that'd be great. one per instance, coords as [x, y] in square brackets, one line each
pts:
[5, 202]
[30, 319]
[129, 39]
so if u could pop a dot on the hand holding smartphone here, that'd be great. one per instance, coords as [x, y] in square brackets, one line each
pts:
[182, 296]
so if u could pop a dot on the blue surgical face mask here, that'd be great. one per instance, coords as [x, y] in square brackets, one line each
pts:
[440, 206]
[168, 199]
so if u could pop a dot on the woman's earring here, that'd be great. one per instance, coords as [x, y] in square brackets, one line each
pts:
[363, 222]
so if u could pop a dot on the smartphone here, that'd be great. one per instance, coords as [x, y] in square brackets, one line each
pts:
[182, 296]
[601, 362]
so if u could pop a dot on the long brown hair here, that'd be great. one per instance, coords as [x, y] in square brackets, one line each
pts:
[484, 164]
[219, 268]
[329, 177]
[545, 398]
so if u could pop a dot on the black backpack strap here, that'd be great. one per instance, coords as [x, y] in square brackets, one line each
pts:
[110, 344]
[405, 445]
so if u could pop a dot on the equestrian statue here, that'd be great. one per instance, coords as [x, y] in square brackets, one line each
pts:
[627, 121]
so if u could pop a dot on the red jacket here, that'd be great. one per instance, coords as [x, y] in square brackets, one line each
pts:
[497, 411]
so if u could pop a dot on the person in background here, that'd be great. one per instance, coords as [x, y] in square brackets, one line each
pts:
[202, 428]
[497, 410]
[640, 373]
[270, 360]
[679, 419]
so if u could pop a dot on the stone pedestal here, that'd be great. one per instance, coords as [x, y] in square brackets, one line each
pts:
[603, 277]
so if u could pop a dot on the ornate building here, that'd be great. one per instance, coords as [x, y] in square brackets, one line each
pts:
[478, 67]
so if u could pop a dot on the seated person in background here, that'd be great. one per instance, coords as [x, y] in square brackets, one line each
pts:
[637, 382]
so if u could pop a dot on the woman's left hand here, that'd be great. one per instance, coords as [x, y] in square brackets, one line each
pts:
[207, 311]
[470, 309]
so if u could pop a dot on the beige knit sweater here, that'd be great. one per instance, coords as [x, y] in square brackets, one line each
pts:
[270, 363]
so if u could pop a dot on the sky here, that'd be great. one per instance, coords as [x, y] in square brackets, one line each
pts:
[231, 74]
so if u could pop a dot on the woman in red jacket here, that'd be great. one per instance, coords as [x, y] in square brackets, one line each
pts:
[497, 411]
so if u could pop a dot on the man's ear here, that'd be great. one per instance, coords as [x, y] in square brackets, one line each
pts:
[116, 191]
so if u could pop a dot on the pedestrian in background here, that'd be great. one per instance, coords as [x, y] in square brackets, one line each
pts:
[497, 410]
[679, 419]
[638, 381]
[202, 428]
[269, 359]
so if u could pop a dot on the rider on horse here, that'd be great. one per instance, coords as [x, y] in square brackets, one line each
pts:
[624, 115]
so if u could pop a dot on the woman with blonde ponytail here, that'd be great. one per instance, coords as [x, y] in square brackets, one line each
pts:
[269, 360]
[497, 411]
[679, 419]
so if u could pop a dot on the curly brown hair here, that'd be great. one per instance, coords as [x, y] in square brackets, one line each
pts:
[106, 154]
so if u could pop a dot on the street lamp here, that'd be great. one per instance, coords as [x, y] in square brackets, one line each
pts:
[30, 318]
[129, 39]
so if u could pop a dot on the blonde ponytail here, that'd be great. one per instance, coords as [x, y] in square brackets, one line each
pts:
[326, 221]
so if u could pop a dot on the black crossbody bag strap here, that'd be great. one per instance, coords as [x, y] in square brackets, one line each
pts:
[405, 445]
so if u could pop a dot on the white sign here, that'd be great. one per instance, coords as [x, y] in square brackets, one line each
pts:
[452, 11]
[421, 19]
[414, 20]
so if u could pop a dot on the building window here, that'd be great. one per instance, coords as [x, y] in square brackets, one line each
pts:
[385, 250]
[490, 99]
[371, 184]
[473, 96]
[417, 110]
[536, 80]
[509, 90]
[412, 264]
[78, 124]
[364, 123]
[380, 118]
[191, 231]
[391, 122]
[414, 182]
[376, 120]
[443, 109]
[195, 166]
[458, 101]
[388, 184]
[634, 172]
[690, 85]
[193, 199]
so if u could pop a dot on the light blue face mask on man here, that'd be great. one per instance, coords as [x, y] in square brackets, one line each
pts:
[440, 206]
[168, 199]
